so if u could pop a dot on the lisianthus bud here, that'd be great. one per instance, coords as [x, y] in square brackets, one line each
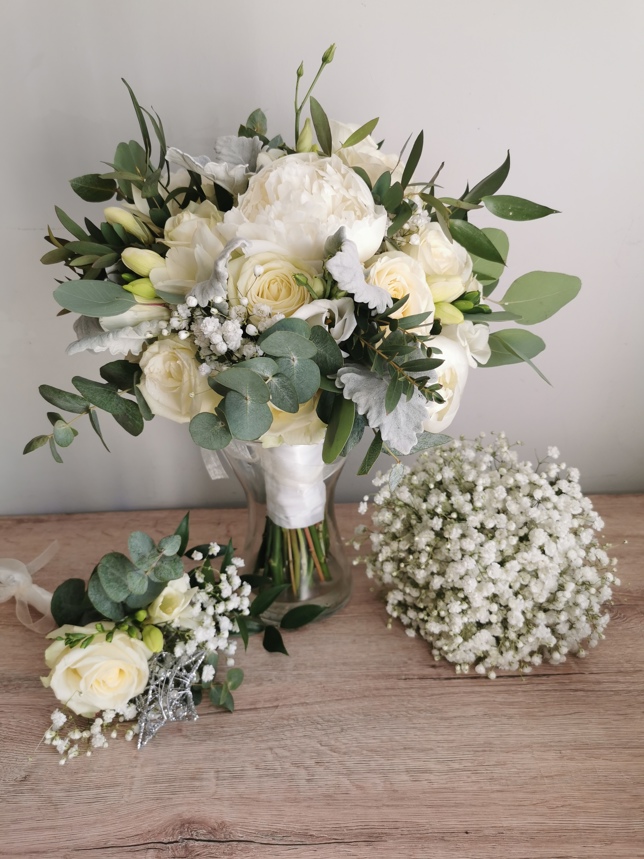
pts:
[300, 70]
[130, 223]
[142, 287]
[328, 55]
[140, 261]
[153, 638]
[447, 313]
[305, 140]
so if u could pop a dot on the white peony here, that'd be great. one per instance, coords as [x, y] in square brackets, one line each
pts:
[401, 275]
[364, 154]
[300, 200]
[269, 278]
[336, 315]
[105, 675]
[452, 376]
[171, 382]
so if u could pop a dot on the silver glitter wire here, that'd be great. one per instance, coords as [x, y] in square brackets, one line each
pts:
[168, 695]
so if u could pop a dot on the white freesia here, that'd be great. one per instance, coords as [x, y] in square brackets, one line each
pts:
[269, 278]
[179, 231]
[173, 602]
[452, 376]
[447, 265]
[400, 275]
[144, 310]
[104, 675]
[171, 382]
[365, 153]
[473, 338]
[298, 201]
[334, 314]
[184, 267]
[302, 428]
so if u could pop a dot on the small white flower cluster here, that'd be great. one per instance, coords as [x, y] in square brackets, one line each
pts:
[207, 624]
[494, 563]
[70, 740]
[219, 331]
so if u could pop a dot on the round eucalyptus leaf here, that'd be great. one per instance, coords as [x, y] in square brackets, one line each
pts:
[247, 420]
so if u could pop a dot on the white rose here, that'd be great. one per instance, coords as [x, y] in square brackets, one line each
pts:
[171, 382]
[179, 230]
[105, 675]
[446, 264]
[269, 278]
[401, 275]
[336, 315]
[172, 602]
[364, 154]
[304, 427]
[452, 376]
[143, 311]
[473, 338]
[300, 200]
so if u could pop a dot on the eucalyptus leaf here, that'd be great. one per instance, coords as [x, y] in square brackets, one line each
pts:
[519, 341]
[328, 357]
[64, 399]
[120, 373]
[285, 344]
[540, 294]
[63, 434]
[93, 419]
[125, 412]
[141, 546]
[170, 545]
[55, 256]
[106, 606]
[167, 569]
[137, 582]
[35, 443]
[94, 297]
[210, 431]
[54, 450]
[247, 420]
[303, 374]
[247, 383]
[234, 678]
[486, 269]
[112, 570]
[283, 393]
[70, 225]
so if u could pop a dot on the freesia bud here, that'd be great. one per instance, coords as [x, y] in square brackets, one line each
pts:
[140, 261]
[305, 140]
[153, 638]
[130, 223]
[447, 313]
[142, 287]
[328, 55]
[140, 615]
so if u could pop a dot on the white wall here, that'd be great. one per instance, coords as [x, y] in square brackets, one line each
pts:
[558, 83]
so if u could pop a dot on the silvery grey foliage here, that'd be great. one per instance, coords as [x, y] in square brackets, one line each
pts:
[401, 427]
[216, 287]
[346, 269]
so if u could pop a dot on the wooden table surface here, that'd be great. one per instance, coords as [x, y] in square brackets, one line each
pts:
[357, 745]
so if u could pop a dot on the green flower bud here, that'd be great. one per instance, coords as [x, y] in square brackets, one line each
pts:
[141, 287]
[474, 296]
[327, 56]
[153, 638]
[140, 261]
[317, 285]
[141, 615]
[130, 223]
[305, 141]
[300, 70]
[447, 313]
[463, 305]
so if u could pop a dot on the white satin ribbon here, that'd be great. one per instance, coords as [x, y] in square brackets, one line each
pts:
[295, 490]
[214, 467]
[16, 581]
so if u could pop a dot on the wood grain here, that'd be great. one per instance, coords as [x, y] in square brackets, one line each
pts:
[357, 745]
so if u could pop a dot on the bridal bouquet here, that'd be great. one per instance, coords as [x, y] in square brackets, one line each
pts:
[291, 293]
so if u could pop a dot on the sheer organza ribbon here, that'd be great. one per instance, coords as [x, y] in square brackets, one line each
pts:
[16, 581]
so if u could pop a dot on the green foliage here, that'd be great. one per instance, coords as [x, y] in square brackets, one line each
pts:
[515, 208]
[322, 127]
[343, 415]
[538, 295]
[94, 297]
[273, 641]
[301, 615]
[93, 188]
[360, 133]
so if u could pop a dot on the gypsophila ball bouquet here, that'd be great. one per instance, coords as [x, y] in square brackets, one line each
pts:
[140, 643]
[495, 564]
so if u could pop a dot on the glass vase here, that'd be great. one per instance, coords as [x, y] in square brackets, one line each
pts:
[292, 536]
